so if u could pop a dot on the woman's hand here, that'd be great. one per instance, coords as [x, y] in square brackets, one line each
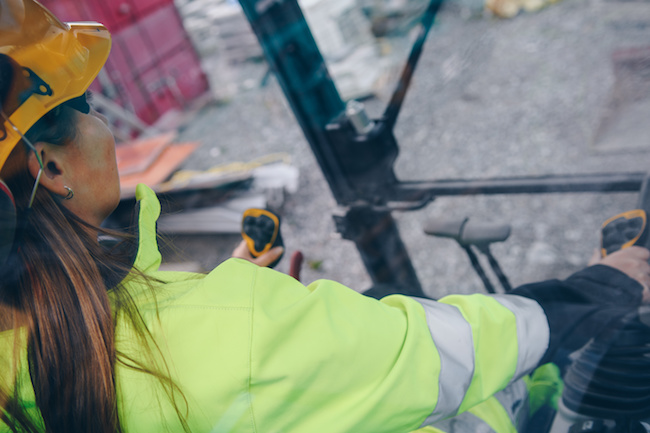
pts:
[632, 261]
[242, 252]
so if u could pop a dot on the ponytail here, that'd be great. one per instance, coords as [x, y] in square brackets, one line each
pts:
[53, 288]
[60, 294]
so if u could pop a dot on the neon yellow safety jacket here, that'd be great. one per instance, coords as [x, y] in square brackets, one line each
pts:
[254, 350]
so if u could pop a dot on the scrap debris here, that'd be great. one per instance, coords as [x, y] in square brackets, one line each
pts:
[269, 178]
[225, 41]
[150, 161]
[197, 202]
[511, 8]
[136, 156]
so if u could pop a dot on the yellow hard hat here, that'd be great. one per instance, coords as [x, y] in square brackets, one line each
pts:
[48, 63]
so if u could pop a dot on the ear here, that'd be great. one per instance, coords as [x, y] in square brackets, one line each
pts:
[52, 176]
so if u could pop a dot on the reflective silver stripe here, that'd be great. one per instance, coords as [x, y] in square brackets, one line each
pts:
[452, 336]
[514, 399]
[514, 402]
[465, 422]
[532, 331]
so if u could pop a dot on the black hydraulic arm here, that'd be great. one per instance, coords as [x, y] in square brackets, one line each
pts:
[397, 99]
[293, 55]
[351, 162]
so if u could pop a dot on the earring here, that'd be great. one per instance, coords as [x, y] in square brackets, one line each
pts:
[70, 193]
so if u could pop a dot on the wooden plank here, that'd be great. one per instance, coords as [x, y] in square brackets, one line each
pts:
[137, 156]
[224, 218]
[168, 161]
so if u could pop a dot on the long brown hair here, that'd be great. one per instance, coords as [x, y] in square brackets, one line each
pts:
[56, 288]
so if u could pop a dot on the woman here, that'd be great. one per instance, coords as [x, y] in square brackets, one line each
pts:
[98, 339]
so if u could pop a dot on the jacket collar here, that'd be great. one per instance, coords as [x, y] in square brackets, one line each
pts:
[148, 258]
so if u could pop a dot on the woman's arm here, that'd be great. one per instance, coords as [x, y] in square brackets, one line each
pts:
[586, 303]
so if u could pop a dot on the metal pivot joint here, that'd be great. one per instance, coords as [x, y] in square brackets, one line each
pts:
[383, 253]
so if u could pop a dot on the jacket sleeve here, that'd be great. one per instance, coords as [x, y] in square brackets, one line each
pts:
[582, 306]
[326, 355]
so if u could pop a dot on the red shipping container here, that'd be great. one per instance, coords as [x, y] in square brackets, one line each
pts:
[188, 77]
[115, 15]
[161, 95]
[144, 7]
[107, 13]
[164, 29]
[153, 66]
[151, 40]
[134, 52]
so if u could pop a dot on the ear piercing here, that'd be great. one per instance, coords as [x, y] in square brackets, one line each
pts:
[70, 193]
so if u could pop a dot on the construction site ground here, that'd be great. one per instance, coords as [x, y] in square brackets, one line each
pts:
[564, 90]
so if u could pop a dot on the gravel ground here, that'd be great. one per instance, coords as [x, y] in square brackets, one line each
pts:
[490, 98]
